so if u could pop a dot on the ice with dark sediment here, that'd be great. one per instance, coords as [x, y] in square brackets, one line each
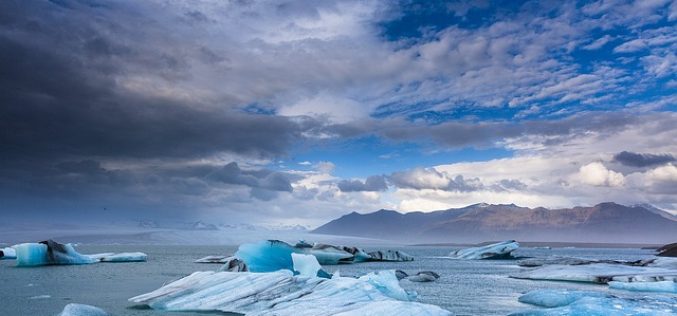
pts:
[73, 309]
[50, 252]
[282, 293]
[234, 264]
[7, 253]
[390, 255]
[422, 276]
[585, 303]
[500, 250]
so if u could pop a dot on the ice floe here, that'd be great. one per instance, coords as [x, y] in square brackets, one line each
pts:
[669, 286]
[53, 253]
[501, 250]
[7, 253]
[600, 273]
[73, 309]
[422, 276]
[389, 255]
[213, 259]
[578, 303]
[281, 293]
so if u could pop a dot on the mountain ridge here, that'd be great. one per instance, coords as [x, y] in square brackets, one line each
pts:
[604, 222]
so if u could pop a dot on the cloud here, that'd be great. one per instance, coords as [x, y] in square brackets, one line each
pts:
[597, 174]
[642, 159]
[371, 184]
[598, 43]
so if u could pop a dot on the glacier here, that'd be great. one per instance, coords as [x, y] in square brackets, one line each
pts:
[282, 293]
[500, 250]
[7, 253]
[74, 309]
[50, 252]
[584, 303]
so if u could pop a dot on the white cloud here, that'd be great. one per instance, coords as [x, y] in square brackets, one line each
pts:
[597, 174]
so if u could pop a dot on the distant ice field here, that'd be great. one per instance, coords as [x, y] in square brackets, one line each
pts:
[466, 287]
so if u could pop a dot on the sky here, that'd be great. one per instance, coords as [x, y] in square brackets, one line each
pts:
[297, 112]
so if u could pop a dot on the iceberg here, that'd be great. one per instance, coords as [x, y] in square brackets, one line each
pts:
[47, 253]
[501, 250]
[271, 255]
[234, 264]
[359, 255]
[390, 255]
[600, 273]
[328, 254]
[213, 259]
[657, 286]
[125, 257]
[7, 253]
[281, 293]
[73, 309]
[423, 276]
[50, 252]
[583, 303]
[305, 265]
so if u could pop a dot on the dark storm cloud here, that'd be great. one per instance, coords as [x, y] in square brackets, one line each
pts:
[642, 159]
[371, 184]
[260, 179]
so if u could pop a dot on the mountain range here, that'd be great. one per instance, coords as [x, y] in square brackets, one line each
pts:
[604, 223]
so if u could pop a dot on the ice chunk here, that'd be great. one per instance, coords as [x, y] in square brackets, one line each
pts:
[234, 264]
[597, 273]
[281, 293]
[423, 276]
[556, 298]
[266, 256]
[390, 255]
[48, 252]
[386, 282]
[658, 286]
[587, 304]
[213, 259]
[125, 257]
[327, 254]
[359, 255]
[305, 265]
[7, 253]
[73, 309]
[501, 250]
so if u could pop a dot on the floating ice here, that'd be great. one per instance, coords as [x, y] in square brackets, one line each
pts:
[598, 273]
[82, 310]
[327, 254]
[281, 293]
[266, 256]
[501, 250]
[305, 265]
[50, 253]
[423, 276]
[125, 257]
[575, 303]
[213, 259]
[7, 253]
[234, 264]
[556, 298]
[658, 286]
[359, 255]
[390, 255]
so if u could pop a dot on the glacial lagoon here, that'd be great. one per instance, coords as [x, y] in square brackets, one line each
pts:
[465, 287]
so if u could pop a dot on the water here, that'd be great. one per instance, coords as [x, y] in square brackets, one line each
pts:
[465, 287]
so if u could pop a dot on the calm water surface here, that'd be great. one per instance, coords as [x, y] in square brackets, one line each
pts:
[465, 287]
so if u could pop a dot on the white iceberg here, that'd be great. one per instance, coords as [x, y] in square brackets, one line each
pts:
[305, 265]
[281, 293]
[7, 253]
[657, 286]
[601, 273]
[501, 250]
[234, 264]
[73, 309]
[575, 303]
[125, 257]
[390, 255]
[53, 253]
[213, 259]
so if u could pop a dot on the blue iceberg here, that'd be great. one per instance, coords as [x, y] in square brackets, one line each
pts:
[501, 250]
[82, 310]
[50, 252]
[270, 256]
[281, 293]
[47, 253]
[578, 303]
